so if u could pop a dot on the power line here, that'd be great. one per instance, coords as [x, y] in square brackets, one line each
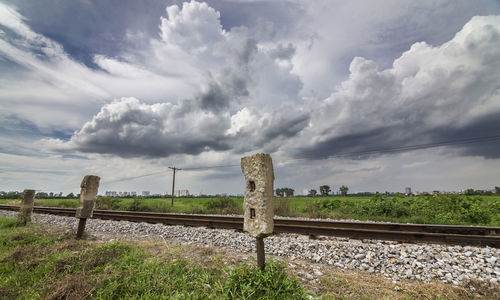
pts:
[406, 148]
[212, 167]
[353, 153]
[135, 177]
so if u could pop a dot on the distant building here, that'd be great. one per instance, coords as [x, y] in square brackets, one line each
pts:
[181, 193]
[408, 191]
[111, 194]
[145, 193]
[133, 194]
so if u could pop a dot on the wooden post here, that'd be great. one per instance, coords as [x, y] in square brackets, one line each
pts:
[261, 254]
[26, 206]
[85, 209]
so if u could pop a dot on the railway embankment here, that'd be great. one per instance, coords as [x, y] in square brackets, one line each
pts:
[396, 261]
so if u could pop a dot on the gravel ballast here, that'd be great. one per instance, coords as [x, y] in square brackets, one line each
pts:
[451, 264]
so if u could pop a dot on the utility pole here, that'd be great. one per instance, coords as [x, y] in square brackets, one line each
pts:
[173, 183]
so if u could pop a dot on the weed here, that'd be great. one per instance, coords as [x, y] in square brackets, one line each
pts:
[282, 206]
[250, 282]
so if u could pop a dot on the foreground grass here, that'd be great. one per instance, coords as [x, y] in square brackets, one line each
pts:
[38, 263]
[48, 263]
[439, 209]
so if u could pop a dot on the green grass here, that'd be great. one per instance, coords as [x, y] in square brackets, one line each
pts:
[439, 209]
[38, 263]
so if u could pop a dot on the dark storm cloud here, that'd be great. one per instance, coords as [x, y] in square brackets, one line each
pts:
[285, 123]
[468, 140]
[471, 134]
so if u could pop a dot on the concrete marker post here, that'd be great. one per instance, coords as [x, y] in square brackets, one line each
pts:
[26, 208]
[258, 205]
[85, 209]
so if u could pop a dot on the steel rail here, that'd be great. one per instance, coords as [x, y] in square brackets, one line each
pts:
[461, 235]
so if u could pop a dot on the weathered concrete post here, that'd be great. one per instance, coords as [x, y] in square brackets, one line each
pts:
[85, 209]
[258, 205]
[26, 206]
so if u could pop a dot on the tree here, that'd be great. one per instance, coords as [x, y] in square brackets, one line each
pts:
[469, 192]
[312, 193]
[497, 190]
[282, 192]
[289, 192]
[324, 190]
[70, 195]
[343, 190]
[41, 195]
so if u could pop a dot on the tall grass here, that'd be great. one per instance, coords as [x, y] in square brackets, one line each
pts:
[39, 264]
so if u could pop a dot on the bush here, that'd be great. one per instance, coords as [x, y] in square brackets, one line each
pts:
[107, 203]
[329, 204]
[135, 205]
[222, 205]
[250, 282]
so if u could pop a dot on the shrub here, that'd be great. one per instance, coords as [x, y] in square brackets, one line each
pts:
[135, 205]
[250, 282]
[329, 204]
[222, 205]
[107, 203]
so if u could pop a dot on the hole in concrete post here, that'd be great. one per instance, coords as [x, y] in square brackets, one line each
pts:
[251, 185]
[252, 213]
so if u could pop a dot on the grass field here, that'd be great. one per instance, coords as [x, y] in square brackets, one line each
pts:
[439, 209]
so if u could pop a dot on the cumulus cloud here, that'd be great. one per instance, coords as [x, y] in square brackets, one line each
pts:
[130, 128]
[238, 78]
[430, 94]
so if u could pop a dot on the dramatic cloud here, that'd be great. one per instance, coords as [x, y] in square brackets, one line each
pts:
[431, 94]
[235, 67]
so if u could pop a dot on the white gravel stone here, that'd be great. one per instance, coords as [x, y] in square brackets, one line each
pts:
[451, 264]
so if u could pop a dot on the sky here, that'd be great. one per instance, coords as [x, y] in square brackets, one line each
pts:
[374, 95]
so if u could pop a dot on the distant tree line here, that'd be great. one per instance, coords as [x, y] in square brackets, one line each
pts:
[39, 195]
[325, 190]
[284, 192]
[473, 192]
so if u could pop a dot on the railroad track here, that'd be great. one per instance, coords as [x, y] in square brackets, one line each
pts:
[420, 233]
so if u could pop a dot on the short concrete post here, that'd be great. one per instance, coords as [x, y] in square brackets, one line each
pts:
[85, 209]
[258, 205]
[26, 206]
